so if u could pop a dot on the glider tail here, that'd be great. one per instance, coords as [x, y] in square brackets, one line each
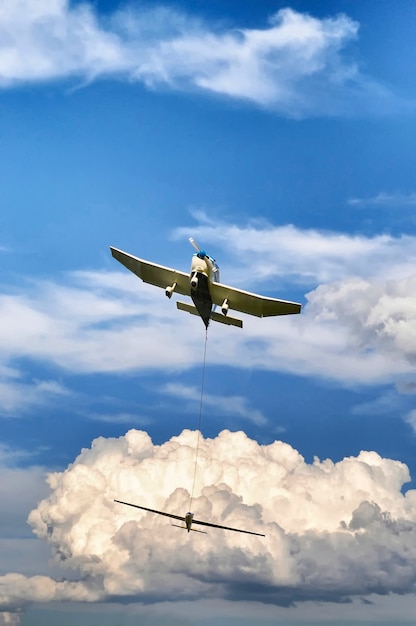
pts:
[194, 530]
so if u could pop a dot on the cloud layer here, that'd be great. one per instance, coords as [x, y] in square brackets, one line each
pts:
[333, 530]
[295, 64]
[360, 317]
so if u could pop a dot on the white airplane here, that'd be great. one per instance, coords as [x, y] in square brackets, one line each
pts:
[203, 286]
[189, 520]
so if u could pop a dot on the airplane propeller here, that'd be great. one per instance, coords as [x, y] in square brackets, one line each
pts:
[194, 244]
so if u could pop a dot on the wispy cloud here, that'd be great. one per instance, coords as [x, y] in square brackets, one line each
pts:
[411, 419]
[18, 395]
[386, 200]
[237, 406]
[120, 418]
[258, 251]
[386, 403]
[294, 64]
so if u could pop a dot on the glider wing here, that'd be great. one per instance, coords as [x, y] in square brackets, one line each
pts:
[153, 273]
[182, 519]
[237, 530]
[136, 506]
[251, 303]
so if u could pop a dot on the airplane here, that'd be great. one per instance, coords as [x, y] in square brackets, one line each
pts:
[203, 286]
[189, 520]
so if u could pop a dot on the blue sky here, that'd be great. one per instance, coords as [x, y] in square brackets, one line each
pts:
[281, 137]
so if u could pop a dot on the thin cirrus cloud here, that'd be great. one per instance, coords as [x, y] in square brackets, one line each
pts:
[386, 200]
[295, 65]
[334, 531]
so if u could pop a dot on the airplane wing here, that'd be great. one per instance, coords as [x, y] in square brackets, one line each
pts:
[251, 303]
[237, 530]
[136, 506]
[153, 273]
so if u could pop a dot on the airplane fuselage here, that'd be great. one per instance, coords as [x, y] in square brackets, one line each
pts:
[207, 292]
[203, 272]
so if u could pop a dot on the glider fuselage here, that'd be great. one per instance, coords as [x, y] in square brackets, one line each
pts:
[188, 521]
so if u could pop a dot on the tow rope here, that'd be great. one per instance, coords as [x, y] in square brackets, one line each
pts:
[200, 419]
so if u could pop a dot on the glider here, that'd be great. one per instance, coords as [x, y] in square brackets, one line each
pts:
[203, 286]
[188, 520]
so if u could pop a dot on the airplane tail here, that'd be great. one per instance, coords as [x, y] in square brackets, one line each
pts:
[216, 317]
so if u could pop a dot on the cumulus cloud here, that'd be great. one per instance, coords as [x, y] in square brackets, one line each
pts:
[333, 530]
[378, 316]
[295, 64]
[18, 592]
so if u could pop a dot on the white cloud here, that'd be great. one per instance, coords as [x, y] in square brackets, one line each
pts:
[333, 530]
[265, 66]
[49, 39]
[294, 64]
